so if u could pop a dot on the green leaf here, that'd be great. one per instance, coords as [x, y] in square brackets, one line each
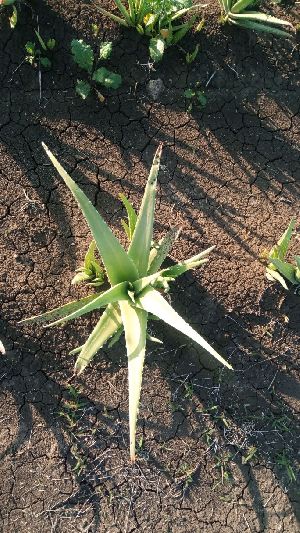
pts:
[139, 248]
[202, 100]
[118, 265]
[280, 249]
[189, 93]
[45, 62]
[241, 5]
[256, 26]
[287, 270]
[107, 326]
[13, 19]
[109, 79]
[116, 337]
[156, 48]
[191, 56]
[117, 293]
[135, 326]
[60, 312]
[161, 251]
[51, 44]
[82, 54]
[105, 50]
[113, 17]
[30, 48]
[273, 275]
[41, 40]
[261, 17]
[153, 302]
[132, 217]
[83, 89]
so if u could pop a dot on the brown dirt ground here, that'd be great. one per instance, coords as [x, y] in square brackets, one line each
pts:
[230, 177]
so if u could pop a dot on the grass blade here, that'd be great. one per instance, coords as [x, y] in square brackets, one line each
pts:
[108, 324]
[135, 325]
[60, 312]
[112, 295]
[139, 248]
[118, 265]
[153, 302]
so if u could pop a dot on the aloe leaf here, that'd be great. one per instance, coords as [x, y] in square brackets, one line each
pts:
[260, 17]
[118, 265]
[113, 17]
[132, 217]
[287, 270]
[186, 10]
[112, 295]
[139, 248]
[115, 338]
[273, 275]
[108, 324]
[62, 311]
[280, 249]
[135, 325]
[240, 5]
[159, 254]
[256, 26]
[153, 302]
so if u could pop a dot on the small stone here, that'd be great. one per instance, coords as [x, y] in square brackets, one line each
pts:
[155, 88]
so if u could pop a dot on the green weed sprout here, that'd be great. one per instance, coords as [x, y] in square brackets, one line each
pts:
[278, 269]
[137, 282]
[240, 13]
[157, 19]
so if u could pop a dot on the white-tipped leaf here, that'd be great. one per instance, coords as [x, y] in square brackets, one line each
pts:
[107, 326]
[135, 326]
[114, 294]
[260, 17]
[139, 248]
[153, 302]
[118, 265]
[60, 312]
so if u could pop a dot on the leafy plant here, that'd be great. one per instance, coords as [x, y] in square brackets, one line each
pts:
[240, 13]
[137, 282]
[39, 56]
[84, 56]
[91, 270]
[195, 97]
[157, 19]
[278, 269]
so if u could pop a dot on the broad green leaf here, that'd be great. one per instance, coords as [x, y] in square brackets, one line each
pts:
[51, 44]
[108, 324]
[112, 295]
[83, 89]
[241, 5]
[60, 312]
[287, 270]
[156, 48]
[105, 50]
[261, 17]
[82, 54]
[139, 248]
[161, 251]
[135, 326]
[153, 302]
[132, 217]
[118, 265]
[109, 79]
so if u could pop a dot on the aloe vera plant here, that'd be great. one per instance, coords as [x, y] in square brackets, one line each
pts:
[278, 269]
[241, 13]
[158, 19]
[137, 283]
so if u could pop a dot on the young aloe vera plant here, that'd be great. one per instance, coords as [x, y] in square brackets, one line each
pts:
[156, 19]
[240, 13]
[137, 282]
[278, 269]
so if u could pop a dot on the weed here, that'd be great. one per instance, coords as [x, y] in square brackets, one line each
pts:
[195, 97]
[85, 58]
[283, 460]
[39, 54]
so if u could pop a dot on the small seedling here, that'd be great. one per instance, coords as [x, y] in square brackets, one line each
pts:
[85, 58]
[278, 269]
[195, 97]
[191, 56]
[137, 283]
[240, 13]
[38, 55]
[283, 460]
[91, 271]
[157, 19]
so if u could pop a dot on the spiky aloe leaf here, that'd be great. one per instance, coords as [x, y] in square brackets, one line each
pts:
[273, 275]
[153, 302]
[135, 326]
[257, 26]
[107, 326]
[62, 311]
[287, 270]
[161, 251]
[114, 294]
[260, 17]
[118, 265]
[241, 5]
[280, 249]
[113, 17]
[131, 215]
[139, 248]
